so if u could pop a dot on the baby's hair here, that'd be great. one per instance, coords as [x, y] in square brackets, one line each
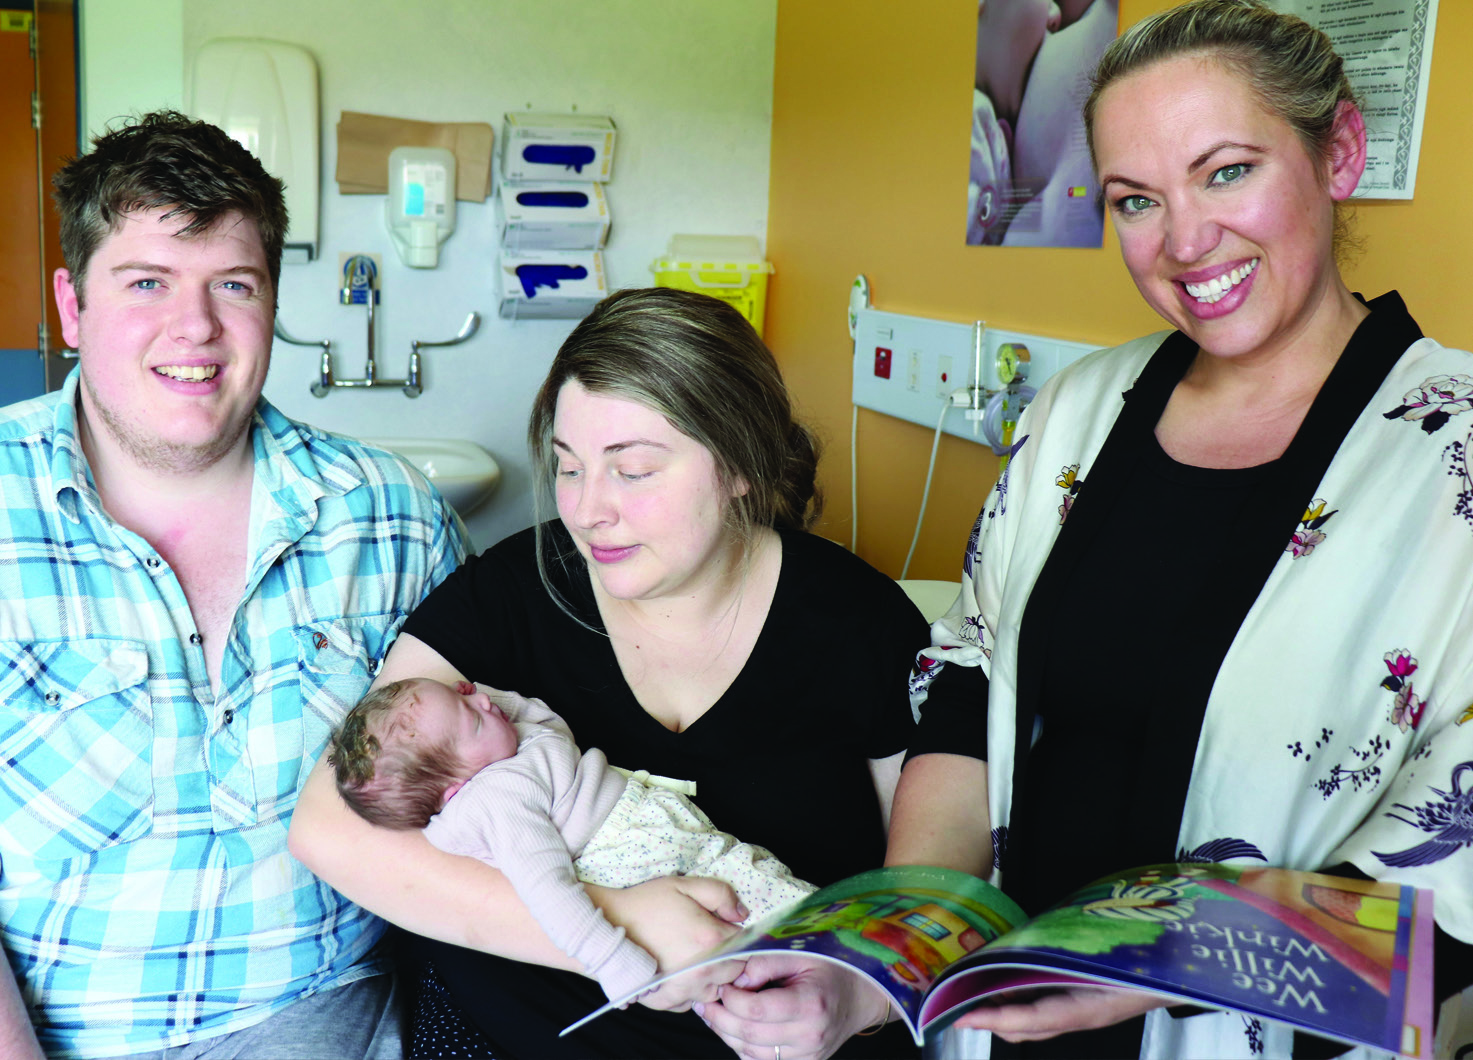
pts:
[387, 778]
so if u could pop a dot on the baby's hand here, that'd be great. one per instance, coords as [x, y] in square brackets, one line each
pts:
[513, 704]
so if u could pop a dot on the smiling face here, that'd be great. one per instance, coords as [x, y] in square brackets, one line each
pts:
[463, 719]
[1225, 220]
[642, 501]
[175, 339]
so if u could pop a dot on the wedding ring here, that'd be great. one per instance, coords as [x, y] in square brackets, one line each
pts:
[777, 1052]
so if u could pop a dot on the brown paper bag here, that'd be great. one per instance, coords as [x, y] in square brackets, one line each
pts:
[365, 140]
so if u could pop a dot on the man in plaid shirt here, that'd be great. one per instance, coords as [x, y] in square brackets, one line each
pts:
[193, 591]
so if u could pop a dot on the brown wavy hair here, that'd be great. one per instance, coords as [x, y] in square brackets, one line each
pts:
[699, 363]
[166, 161]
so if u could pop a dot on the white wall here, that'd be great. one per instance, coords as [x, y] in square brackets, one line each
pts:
[688, 82]
[132, 59]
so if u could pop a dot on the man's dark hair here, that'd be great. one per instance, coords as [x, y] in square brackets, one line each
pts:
[169, 161]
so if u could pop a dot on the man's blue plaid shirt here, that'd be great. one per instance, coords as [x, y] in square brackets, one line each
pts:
[147, 897]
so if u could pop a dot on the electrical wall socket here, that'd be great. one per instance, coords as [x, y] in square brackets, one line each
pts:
[933, 348]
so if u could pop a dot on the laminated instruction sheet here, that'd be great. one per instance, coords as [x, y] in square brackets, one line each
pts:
[1387, 48]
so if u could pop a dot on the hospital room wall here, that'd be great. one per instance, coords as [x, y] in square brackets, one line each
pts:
[871, 116]
[688, 84]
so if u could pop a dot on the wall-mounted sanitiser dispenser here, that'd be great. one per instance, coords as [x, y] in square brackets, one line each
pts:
[421, 208]
[263, 93]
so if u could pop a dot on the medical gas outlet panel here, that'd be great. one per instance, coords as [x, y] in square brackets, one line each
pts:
[910, 367]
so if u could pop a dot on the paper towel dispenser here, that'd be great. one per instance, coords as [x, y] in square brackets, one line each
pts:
[263, 93]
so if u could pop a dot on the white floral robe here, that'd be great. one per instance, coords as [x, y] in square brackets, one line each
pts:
[1339, 728]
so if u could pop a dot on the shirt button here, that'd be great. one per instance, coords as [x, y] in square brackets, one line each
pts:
[152, 562]
[229, 716]
[53, 698]
[196, 639]
[373, 666]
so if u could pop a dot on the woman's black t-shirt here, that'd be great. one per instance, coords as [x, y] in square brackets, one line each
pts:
[780, 760]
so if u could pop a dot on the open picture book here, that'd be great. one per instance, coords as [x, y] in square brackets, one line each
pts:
[1347, 959]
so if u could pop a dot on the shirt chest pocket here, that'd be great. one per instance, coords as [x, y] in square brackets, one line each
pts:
[338, 661]
[76, 746]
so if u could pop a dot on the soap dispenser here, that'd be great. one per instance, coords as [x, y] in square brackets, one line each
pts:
[421, 209]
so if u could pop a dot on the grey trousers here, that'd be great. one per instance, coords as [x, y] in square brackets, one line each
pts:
[353, 1021]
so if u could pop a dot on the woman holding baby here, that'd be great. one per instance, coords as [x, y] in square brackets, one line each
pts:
[679, 618]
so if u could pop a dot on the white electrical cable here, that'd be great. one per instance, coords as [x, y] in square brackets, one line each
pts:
[926, 493]
[854, 479]
[858, 301]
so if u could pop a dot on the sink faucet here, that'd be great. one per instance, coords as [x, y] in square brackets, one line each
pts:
[360, 287]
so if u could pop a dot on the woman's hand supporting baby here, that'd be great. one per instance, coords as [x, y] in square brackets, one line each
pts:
[676, 918]
[807, 1008]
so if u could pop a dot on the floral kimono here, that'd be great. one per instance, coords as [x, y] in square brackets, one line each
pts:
[1339, 728]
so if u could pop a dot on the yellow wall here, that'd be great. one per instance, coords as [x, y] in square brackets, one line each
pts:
[871, 118]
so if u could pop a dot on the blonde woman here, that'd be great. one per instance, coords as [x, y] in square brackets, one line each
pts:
[1221, 605]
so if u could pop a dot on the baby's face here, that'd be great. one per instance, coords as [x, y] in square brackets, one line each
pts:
[464, 717]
